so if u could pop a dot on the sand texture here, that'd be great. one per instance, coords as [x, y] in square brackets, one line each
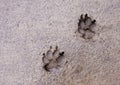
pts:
[29, 27]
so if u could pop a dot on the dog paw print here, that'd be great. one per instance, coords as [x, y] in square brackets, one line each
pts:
[85, 26]
[52, 58]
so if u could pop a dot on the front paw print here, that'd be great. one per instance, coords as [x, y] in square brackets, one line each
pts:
[85, 25]
[52, 58]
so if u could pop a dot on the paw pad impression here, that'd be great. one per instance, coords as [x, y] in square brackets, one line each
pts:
[52, 58]
[85, 26]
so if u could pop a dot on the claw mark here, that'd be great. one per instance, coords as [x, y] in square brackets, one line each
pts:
[61, 54]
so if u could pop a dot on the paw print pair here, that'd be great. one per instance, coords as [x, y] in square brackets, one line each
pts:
[52, 58]
[85, 26]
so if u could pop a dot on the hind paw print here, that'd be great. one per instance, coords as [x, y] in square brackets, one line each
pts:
[52, 58]
[85, 26]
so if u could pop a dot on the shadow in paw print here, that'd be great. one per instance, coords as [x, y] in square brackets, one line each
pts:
[85, 26]
[52, 58]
